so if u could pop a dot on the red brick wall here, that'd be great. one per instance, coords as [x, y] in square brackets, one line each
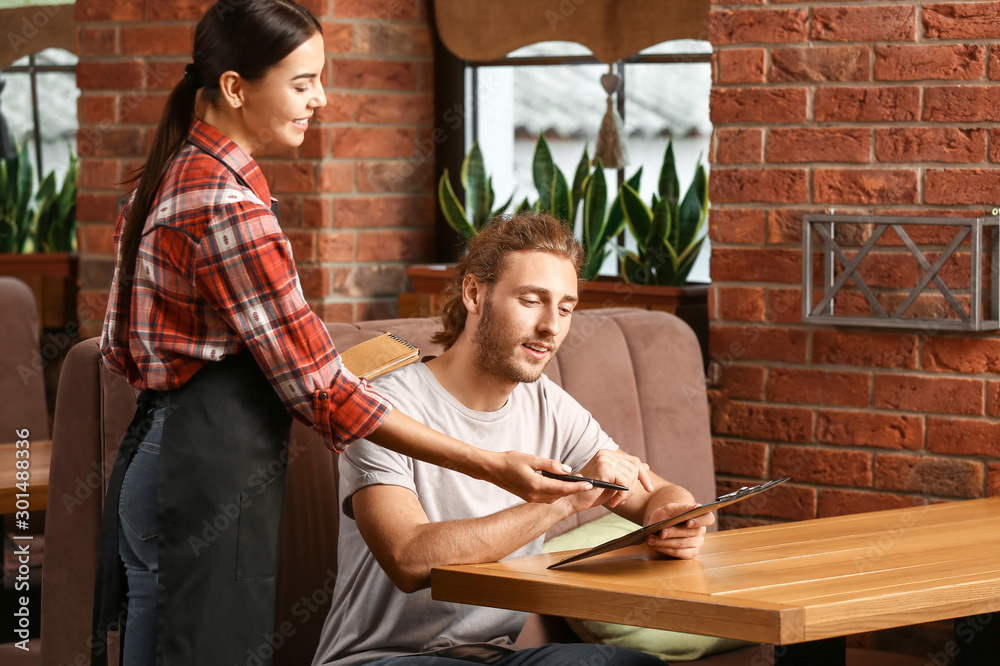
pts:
[880, 108]
[356, 198]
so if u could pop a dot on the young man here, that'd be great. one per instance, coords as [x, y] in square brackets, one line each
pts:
[512, 302]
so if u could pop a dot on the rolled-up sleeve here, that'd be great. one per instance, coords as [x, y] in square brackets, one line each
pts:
[246, 271]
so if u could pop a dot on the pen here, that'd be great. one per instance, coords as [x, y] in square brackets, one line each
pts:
[582, 479]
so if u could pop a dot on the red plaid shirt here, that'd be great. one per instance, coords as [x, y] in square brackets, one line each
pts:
[215, 275]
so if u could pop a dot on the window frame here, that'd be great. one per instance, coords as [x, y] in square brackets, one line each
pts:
[450, 94]
[33, 69]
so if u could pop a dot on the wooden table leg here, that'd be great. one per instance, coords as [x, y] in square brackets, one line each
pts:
[827, 652]
[977, 639]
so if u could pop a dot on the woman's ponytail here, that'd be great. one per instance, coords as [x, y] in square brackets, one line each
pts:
[170, 136]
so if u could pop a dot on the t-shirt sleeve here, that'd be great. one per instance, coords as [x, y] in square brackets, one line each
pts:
[366, 464]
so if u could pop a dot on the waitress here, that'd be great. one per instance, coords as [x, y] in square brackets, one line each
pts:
[207, 319]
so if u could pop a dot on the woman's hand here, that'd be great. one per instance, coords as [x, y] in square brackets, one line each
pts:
[517, 473]
[684, 540]
[513, 471]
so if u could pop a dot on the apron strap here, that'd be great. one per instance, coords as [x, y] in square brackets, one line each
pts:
[110, 605]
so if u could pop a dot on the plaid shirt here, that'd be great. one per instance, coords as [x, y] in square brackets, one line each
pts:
[215, 275]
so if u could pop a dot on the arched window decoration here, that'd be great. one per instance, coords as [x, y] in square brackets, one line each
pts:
[38, 69]
[479, 30]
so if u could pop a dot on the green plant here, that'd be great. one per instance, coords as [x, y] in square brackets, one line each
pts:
[42, 220]
[468, 220]
[601, 225]
[55, 230]
[555, 196]
[16, 194]
[658, 237]
[667, 233]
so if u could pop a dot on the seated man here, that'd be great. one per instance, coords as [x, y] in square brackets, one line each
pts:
[512, 302]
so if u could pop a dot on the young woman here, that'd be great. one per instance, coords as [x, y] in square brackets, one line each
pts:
[207, 319]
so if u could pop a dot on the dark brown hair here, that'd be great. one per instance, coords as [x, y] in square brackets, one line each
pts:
[485, 255]
[245, 36]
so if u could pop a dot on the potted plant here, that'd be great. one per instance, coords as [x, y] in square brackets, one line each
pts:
[588, 193]
[38, 236]
[478, 196]
[667, 233]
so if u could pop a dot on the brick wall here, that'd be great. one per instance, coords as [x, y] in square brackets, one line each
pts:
[875, 108]
[356, 198]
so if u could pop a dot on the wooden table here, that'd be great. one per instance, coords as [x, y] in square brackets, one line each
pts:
[38, 488]
[806, 584]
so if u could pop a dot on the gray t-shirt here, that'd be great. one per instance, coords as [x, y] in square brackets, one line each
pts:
[370, 618]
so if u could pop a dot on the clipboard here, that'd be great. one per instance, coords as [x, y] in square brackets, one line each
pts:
[639, 536]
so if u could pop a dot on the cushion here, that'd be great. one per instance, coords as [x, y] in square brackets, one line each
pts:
[667, 645]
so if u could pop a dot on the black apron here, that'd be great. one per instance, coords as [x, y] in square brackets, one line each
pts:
[220, 496]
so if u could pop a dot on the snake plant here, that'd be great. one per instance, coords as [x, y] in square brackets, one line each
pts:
[469, 219]
[42, 220]
[667, 232]
[55, 228]
[16, 202]
[589, 192]
[601, 225]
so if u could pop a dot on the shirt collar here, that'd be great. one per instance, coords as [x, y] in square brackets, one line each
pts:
[224, 149]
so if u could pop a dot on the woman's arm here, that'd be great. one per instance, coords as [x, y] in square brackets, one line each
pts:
[513, 471]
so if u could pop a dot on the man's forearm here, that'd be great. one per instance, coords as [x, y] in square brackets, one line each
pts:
[408, 559]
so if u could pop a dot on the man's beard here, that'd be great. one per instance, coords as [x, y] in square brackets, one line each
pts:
[495, 345]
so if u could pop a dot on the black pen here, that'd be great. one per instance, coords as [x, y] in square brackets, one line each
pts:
[594, 482]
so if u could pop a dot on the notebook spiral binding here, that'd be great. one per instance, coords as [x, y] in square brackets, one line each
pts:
[401, 340]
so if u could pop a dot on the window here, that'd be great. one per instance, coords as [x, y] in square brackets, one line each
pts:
[555, 88]
[39, 100]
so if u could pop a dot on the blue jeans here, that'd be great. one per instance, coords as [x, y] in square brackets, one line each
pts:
[137, 532]
[553, 654]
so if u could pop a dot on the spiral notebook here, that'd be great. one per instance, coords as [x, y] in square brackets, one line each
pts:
[639, 536]
[379, 355]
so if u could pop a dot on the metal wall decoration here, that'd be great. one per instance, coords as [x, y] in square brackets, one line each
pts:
[973, 305]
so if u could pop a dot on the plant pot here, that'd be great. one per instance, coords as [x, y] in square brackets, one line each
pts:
[52, 276]
[689, 302]
[429, 283]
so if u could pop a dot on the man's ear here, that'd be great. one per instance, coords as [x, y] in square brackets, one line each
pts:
[473, 294]
[233, 89]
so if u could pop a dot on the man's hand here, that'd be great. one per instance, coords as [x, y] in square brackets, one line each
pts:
[621, 468]
[684, 540]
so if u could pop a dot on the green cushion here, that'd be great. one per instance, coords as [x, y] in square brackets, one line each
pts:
[667, 645]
